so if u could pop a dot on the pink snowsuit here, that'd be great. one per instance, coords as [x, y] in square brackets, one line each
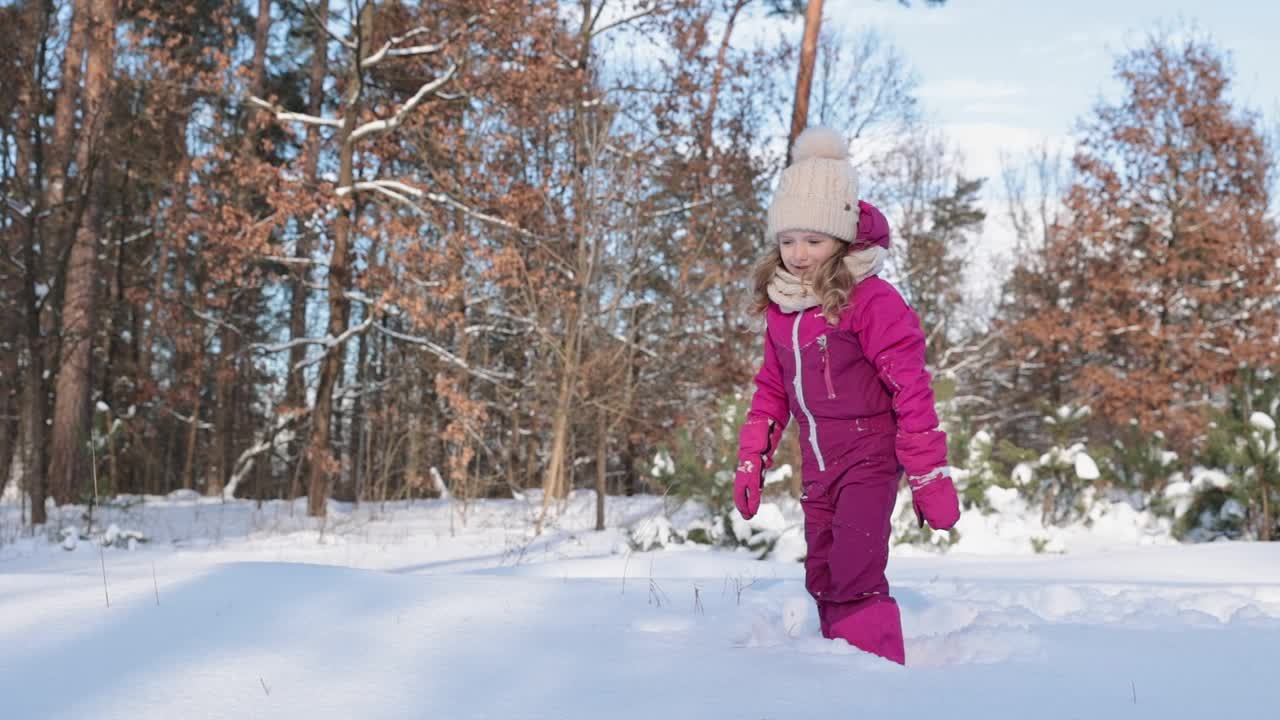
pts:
[860, 394]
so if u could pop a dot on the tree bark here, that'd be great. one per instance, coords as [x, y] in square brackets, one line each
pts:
[553, 486]
[222, 448]
[319, 455]
[602, 467]
[33, 436]
[359, 426]
[167, 243]
[295, 389]
[78, 311]
[804, 79]
[8, 415]
[64, 112]
[27, 388]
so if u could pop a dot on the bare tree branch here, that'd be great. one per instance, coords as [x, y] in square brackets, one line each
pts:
[598, 31]
[346, 42]
[489, 375]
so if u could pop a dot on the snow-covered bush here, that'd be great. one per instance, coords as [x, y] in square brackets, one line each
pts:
[985, 463]
[697, 469]
[1244, 448]
[653, 533]
[699, 464]
[1067, 468]
[1140, 463]
[1203, 508]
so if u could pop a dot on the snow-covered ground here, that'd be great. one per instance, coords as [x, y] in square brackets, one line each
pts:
[229, 610]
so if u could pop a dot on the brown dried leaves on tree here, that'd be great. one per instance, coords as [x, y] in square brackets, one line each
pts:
[1160, 285]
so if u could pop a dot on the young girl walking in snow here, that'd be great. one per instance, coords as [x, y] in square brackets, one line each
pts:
[845, 355]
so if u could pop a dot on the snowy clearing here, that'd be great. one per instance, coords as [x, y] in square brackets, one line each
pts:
[233, 611]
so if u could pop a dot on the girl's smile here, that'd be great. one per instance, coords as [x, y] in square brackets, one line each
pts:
[803, 251]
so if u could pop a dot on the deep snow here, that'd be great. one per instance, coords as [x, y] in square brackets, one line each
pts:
[401, 611]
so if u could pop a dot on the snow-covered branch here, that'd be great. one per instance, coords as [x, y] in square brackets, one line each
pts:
[398, 191]
[685, 207]
[285, 260]
[382, 187]
[285, 116]
[490, 375]
[266, 441]
[281, 347]
[18, 207]
[214, 320]
[639, 348]
[975, 354]
[331, 342]
[390, 49]
[188, 419]
[327, 341]
[375, 126]
[146, 232]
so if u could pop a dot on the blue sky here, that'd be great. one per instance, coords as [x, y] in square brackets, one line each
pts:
[1004, 74]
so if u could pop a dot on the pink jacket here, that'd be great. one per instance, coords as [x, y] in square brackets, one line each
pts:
[846, 383]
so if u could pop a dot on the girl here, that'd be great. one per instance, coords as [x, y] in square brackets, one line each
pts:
[845, 355]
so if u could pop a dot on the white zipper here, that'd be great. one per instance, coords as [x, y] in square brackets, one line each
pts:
[813, 426]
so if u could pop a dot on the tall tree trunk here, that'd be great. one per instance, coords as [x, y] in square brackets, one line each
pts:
[459, 467]
[21, 391]
[78, 311]
[804, 78]
[602, 466]
[33, 435]
[261, 35]
[194, 367]
[193, 437]
[8, 414]
[553, 484]
[320, 461]
[168, 242]
[64, 112]
[295, 388]
[359, 439]
[224, 383]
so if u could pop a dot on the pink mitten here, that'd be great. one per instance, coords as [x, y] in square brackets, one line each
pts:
[756, 442]
[935, 500]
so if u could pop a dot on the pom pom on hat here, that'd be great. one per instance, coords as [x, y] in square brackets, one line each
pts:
[819, 142]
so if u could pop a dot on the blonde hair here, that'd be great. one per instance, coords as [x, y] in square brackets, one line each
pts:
[832, 283]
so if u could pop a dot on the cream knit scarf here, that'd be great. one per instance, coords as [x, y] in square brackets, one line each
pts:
[793, 294]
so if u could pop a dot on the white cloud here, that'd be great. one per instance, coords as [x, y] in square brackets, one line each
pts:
[890, 15]
[970, 89]
[982, 144]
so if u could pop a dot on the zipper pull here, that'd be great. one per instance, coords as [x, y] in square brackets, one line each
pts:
[826, 367]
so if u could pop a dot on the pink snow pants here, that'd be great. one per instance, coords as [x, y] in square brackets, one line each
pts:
[847, 513]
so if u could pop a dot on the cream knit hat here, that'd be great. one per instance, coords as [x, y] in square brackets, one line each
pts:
[819, 190]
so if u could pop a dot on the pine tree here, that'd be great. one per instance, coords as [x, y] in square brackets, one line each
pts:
[1244, 444]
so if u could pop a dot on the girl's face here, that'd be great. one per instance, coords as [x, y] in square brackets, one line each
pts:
[803, 251]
